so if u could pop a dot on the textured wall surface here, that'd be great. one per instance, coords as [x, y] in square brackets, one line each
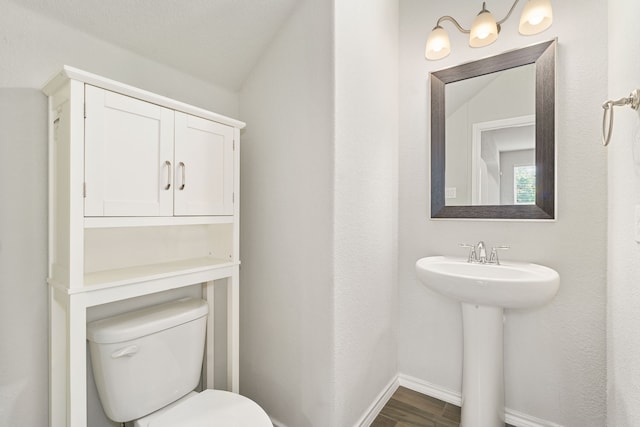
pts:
[286, 293]
[623, 339]
[23, 258]
[199, 38]
[33, 48]
[554, 355]
[319, 215]
[365, 194]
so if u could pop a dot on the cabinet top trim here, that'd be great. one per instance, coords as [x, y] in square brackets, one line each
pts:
[71, 73]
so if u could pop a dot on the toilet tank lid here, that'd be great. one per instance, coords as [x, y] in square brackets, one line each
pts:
[146, 321]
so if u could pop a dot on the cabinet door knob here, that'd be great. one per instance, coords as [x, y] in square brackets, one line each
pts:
[184, 169]
[168, 164]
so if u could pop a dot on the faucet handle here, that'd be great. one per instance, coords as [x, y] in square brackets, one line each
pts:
[493, 258]
[472, 251]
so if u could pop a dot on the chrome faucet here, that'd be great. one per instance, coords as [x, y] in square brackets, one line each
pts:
[481, 252]
[478, 253]
[493, 258]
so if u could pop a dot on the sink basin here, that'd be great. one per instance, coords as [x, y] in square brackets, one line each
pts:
[508, 285]
[484, 291]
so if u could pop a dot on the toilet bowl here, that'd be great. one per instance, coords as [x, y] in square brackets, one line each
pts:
[206, 409]
[146, 364]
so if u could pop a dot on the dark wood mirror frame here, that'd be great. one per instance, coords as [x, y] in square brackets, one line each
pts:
[543, 56]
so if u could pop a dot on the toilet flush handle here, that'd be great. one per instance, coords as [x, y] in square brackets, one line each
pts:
[125, 352]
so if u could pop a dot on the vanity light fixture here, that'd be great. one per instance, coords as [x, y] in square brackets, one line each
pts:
[536, 17]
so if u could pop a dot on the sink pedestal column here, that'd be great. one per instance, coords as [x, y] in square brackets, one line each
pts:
[482, 366]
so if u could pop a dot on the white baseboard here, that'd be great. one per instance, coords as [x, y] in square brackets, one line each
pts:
[372, 411]
[515, 418]
[518, 419]
[430, 389]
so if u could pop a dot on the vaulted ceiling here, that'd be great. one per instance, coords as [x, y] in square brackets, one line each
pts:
[218, 41]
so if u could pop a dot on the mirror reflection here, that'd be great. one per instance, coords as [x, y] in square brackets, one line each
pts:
[493, 136]
[490, 139]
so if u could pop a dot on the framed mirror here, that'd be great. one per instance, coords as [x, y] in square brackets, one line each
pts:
[493, 137]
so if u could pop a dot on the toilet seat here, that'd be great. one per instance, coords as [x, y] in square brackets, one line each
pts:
[214, 408]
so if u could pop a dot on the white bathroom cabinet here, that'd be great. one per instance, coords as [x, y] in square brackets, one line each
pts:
[143, 198]
[143, 159]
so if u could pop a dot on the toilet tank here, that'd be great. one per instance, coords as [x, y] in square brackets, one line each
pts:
[146, 359]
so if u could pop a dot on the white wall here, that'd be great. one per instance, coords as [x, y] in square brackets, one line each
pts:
[33, 49]
[365, 202]
[319, 215]
[286, 248]
[623, 339]
[23, 258]
[554, 355]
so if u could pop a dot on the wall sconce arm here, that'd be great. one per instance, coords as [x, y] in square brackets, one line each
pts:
[452, 19]
[513, 6]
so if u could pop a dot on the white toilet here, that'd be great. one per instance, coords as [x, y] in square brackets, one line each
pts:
[147, 363]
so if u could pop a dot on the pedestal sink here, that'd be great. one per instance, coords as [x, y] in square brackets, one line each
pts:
[484, 291]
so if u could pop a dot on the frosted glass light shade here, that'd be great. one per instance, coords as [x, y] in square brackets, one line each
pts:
[536, 17]
[484, 30]
[438, 45]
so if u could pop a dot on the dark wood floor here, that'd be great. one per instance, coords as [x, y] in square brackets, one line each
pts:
[408, 408]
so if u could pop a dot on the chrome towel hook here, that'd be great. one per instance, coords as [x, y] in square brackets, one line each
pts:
[633, 100]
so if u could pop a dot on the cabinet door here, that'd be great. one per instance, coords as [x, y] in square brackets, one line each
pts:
[128, 156]
[204, 167]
